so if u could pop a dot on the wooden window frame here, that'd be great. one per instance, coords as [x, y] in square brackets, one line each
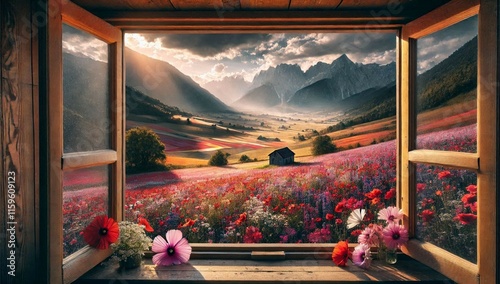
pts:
[482, 162]
[70, 268]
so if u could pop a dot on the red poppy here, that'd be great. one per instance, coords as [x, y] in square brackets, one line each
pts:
[329, 216]
[101, 232]
[390, 194]
[468, 199]
[466, 218]
[420, 187]
[472, 189]
[241, 219]
[356, 233]
[340, 206]
[375, 193]
[145, 223]
[427, 215]
[444, 174]
[339, 221]
[189, 222]
[341, 253]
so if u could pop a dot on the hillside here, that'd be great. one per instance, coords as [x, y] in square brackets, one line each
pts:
[164, 82]
[454, 76]
[264, 96]
[141, 107]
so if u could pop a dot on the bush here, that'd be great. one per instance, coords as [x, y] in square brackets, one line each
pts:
[323, 145]
[218, 159]
[144, 150]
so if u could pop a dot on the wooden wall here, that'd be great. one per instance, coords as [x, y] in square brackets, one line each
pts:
[19, 136]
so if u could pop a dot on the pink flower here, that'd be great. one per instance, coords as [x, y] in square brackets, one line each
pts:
[370, 236]
[390, 214]
[394, 235]
[175, 250]
[361, 256]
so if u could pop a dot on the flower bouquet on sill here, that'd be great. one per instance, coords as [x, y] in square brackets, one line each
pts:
[386, 234]
[131, 244]
[128, 240]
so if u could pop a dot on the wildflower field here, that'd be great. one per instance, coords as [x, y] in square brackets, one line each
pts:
[304, 203]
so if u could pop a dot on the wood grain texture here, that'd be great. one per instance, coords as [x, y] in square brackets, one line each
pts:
[126, 4]
[265, 5]
[314, 4]
[18, 141]
[247, 271]
[445, 158]
[488, 141]
[88, 159]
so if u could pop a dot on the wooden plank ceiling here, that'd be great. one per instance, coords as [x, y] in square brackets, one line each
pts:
[246, 5]
[265, 14]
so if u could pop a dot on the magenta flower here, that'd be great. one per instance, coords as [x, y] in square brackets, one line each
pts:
[175, 250]
[394, 235]
[361, 256]
[390, 214]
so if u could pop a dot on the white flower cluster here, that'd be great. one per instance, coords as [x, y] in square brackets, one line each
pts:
[133, 240]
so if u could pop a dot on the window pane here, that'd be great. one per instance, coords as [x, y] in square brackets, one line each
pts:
[446, 88]
[85, 196]
[259, 105]
[85, 92]
[447, 209]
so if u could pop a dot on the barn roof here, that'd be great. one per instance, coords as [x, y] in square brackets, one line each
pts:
[283, 152]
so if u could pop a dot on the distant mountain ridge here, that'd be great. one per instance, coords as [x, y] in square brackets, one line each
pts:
[322, 85]
[162, 81]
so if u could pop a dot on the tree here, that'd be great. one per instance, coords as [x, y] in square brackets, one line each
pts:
[144, 148]
[245, 159]
[323, 145]
[218, 159]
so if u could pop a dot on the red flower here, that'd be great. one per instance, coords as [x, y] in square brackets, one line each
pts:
[356, 233]
[189, 222]
[390, 194]
[439, 193]
[329, 216]
[252, 235]
[145, 223]
[241, 219]
[375, 193]
[468, 199]
[339, 221]
[444, 174]
[340, 206]
[101, 232]
[420, 187]
[427, 215]
[472, 189]
[341, 253]
[466, 218]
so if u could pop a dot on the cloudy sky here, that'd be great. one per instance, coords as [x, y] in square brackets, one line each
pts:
[208, 57]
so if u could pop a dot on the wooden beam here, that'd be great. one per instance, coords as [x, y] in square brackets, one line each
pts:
[79, 160]
[314, 4]
[447, 15]
[445, 158]
[488, 140]
[252, 20]
[265, 5]
[197, 4]
[125, 4]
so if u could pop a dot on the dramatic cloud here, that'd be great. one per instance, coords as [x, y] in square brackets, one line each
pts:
[211, 44]
[218, 68]
[436, 47]
[82, 44]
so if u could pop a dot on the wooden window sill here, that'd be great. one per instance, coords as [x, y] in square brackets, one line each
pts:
[251, 271]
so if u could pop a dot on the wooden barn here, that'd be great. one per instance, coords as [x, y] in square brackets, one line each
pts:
[282, 157]
[35, 162]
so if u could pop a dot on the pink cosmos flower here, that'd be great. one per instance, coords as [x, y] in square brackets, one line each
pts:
[175, 250]
[361, 256]
[390, 214]
[394, 235]
[370, 236]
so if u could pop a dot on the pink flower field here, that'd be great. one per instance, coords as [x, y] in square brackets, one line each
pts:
[304, 203]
